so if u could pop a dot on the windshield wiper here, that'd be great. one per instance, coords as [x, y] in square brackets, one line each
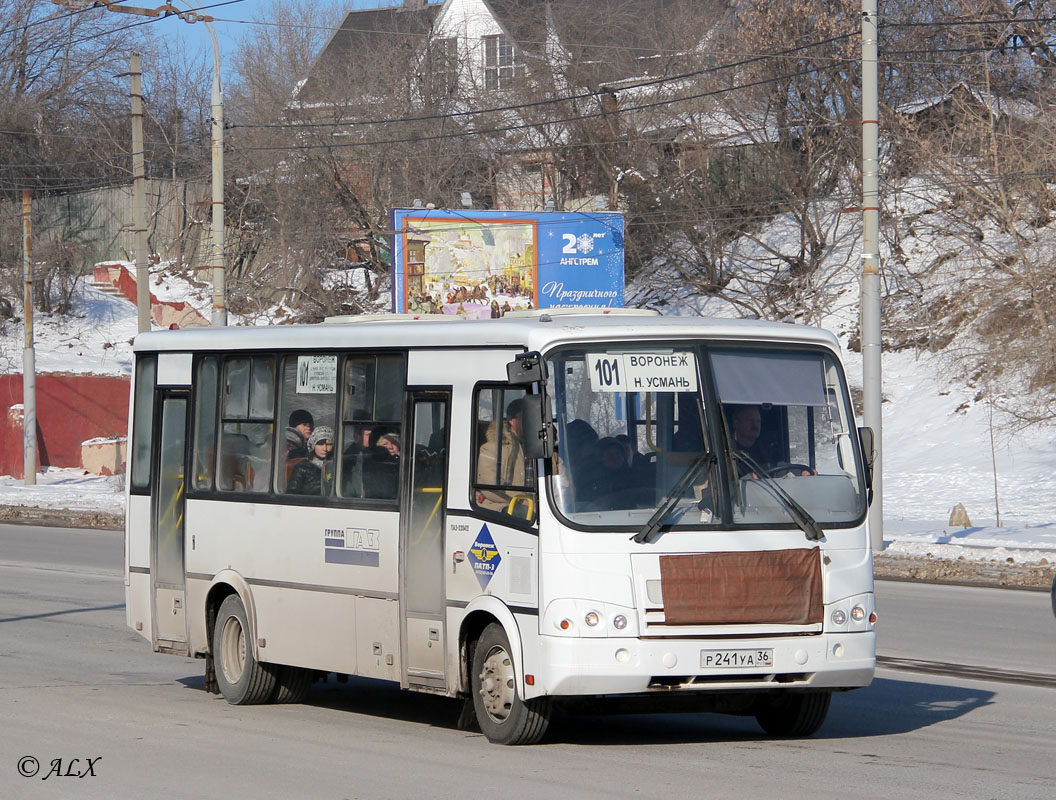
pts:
[799, 515]
[650, 532]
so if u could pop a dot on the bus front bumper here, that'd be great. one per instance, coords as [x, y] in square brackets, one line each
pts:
[601, 666]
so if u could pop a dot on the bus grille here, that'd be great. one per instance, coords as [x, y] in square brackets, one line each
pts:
[769, 587]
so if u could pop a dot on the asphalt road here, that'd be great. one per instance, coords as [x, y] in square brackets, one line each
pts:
[76, 683]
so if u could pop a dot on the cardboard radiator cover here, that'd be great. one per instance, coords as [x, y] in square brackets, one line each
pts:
[770, 586]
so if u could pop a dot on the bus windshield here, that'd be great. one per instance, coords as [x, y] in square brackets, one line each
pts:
[772, 427]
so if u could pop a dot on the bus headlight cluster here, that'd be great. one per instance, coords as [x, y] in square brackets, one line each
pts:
[576, 618]
[851, 614]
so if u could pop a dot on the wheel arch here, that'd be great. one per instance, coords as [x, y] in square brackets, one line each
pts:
[226, 583]
[479, 614]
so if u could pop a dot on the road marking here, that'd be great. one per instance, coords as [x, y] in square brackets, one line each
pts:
[967, 671]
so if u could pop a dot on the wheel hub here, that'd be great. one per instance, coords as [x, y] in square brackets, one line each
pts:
[496, 684]
[233, 650]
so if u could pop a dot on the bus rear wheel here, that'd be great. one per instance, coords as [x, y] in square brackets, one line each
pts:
[292, 684]
[793, 714]
[502, 715]
[241, 678]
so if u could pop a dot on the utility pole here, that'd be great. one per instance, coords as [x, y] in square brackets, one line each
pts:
[139, 197]
[217, 139]
[29, 365]
[872, 383]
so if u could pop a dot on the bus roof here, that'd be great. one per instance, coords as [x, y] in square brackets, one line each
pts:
[538, 331]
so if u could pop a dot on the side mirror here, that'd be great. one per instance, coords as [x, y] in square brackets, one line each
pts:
[526, 368]
[538, 440]
[867, 439]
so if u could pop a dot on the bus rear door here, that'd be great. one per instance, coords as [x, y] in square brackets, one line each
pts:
[168, 583]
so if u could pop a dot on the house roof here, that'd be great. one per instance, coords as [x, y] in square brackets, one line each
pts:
[363, 35]
[630, 26]
[995, 104]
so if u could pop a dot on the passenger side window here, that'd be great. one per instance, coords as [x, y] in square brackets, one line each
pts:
[247, 424]
[143, 421]
[372, 424]
[307, 411]
[205, 402]
[504, 479]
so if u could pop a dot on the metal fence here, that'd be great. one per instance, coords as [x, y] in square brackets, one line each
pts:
[99, 221]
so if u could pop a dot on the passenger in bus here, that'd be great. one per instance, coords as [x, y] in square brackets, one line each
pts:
[381, 465]
[315, 475]
[299, 429]
[391, 444]
[500, 461]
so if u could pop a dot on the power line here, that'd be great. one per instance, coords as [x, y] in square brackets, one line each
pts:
[553, 100]
[956, 23]
[522, 126]
[148, 21]
[58, 16]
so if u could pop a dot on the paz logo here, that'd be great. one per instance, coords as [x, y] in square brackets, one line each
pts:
[484, 557]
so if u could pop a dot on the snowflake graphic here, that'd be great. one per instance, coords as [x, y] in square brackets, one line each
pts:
[585, 243]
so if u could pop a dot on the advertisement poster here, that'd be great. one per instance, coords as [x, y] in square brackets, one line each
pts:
[481, 264]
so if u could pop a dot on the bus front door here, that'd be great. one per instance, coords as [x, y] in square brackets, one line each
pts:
[166, 535]
[421, 540]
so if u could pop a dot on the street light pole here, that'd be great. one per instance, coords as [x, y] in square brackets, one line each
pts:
[219, 317]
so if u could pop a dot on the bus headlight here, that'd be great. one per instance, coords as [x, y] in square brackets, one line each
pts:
[619, 622]
[591, 618]
[857, 613]
[839, 617]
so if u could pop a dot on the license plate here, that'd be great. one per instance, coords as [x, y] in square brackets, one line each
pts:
[736, 658]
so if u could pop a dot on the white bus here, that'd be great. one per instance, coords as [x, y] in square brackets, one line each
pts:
[543, 509]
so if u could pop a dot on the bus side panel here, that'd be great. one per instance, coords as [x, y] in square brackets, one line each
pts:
[488, 558]
[313, 572]
[137, 570]
[307, 629]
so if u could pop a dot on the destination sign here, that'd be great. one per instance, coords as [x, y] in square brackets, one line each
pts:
[643, 372]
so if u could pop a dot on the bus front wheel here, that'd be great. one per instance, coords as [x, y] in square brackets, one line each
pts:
[241, 678]
[502, 715]
[793, 714]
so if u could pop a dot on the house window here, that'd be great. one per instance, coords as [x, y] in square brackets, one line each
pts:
[443, 66]
[500, 62]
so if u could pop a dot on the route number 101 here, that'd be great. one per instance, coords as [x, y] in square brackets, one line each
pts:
[606, 373]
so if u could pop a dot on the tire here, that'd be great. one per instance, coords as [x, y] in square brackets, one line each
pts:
[292, 684]
[503, 716]
[242, 679]
[794, 715]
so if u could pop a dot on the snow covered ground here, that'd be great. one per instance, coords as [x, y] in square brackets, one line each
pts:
[936, 436]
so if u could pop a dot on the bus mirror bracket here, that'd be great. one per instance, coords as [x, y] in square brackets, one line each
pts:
[526, 368]
[868, 441]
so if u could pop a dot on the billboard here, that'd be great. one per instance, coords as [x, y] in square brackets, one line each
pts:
[481, 264]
